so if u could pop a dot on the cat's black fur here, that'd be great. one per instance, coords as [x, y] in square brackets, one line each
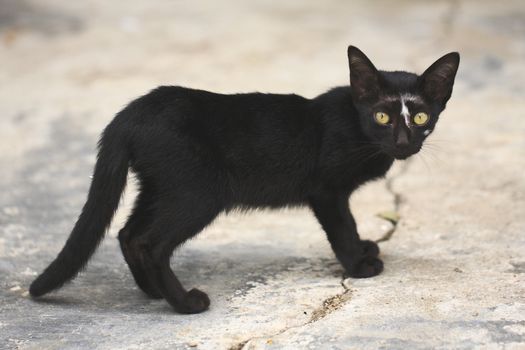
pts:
[197, 154]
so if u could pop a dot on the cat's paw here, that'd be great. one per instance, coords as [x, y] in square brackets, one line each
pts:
[369, 248]
[367, 267]
[196, 301]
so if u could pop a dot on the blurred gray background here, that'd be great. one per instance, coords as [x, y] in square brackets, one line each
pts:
[455, 268]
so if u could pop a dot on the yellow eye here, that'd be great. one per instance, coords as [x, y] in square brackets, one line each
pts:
[421, 118]
[382, 118]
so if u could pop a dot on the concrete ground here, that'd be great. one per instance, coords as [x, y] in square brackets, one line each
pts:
[455, 267]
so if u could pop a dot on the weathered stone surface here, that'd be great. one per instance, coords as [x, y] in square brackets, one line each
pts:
[455, 269]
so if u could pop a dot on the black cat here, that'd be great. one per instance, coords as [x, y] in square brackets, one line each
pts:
[197, 154]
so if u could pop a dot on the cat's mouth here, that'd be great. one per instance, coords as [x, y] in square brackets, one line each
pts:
[402, 153]
[401, 156]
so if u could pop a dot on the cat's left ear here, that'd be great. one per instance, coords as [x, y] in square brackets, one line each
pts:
[437, 81]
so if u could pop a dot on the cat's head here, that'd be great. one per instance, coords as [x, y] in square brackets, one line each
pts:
[398, 110]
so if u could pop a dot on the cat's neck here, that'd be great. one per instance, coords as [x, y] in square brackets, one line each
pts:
[340, 120]
[347, 157]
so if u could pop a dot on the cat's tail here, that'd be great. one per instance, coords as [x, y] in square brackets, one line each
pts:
[109, 181]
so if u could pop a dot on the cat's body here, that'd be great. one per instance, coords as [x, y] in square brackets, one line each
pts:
[197, 154]
[252, 150]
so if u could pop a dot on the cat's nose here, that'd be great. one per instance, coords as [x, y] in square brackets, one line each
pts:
[402, 138]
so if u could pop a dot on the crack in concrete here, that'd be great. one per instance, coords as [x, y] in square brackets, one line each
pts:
[328, 306]
[335, 302]
[331, 304]
[398, 201]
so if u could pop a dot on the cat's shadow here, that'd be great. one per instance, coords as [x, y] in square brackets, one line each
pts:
[113, 289]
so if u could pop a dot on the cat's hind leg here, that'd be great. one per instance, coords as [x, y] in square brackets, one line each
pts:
[176, 220]
[138, 224]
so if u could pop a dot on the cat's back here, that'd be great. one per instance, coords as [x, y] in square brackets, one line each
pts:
[172, 98]
[252, 139]
[184, 111]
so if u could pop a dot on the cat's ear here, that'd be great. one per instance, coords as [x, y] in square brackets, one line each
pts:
[364, 79]
[437, 81]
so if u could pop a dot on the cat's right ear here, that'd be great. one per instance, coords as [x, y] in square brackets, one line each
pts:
[364, 79]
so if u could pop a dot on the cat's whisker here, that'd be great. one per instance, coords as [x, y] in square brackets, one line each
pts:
[420, 155]
[364, 151]
[427, 152]
[370, 156]
[440, 140]
[433, 146]
[437, 142]
[433, 151]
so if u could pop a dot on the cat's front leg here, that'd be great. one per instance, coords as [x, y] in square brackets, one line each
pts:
[358, 257]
